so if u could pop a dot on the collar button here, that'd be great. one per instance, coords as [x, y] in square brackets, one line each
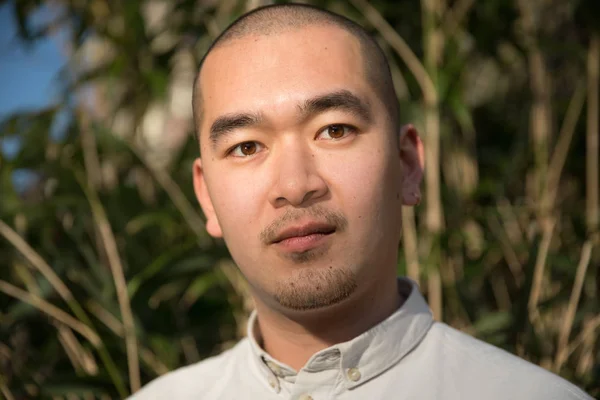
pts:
[353, 374]
[274, 384]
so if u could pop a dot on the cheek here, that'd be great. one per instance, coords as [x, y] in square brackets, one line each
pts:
[368, 192]
[236, 202]
[366, 181]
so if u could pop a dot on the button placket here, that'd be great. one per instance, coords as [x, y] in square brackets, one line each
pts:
[272, 380]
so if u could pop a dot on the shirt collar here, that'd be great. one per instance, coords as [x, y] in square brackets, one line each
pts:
[365, 356]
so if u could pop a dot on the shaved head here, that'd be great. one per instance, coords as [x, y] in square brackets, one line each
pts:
[276, 19]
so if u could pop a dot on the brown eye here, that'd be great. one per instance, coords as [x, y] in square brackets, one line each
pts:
[336, 131]
[248, 148]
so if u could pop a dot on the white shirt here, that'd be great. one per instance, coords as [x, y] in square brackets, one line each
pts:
[407, 356]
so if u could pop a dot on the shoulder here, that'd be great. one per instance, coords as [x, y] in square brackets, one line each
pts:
[498, 369]
[202, 377]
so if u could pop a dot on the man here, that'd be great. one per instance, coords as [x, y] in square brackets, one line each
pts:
[303, 172]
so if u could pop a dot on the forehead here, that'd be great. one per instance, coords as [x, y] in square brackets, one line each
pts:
[270, 73]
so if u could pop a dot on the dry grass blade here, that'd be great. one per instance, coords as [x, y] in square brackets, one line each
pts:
[586, 254]
[79, 354]
[69, 351]
[90, 150]
[106, 318]
[116, 267]
[411, 250]
[150, 359]
[541, 108]
[190, 349]
[538, 273]
[5, 351]
[589, 331]
[501, 294]
[400, 46]
[509, 253]
[252, 4]
[592, 139]
[24, 273]
[559, 156]
[510, 221]
[50, 310]
[90, 155]
[6, 392]
[434, 292]
[36, 260]
[116, 327]
[433, 45]
[190, 216]
[455, 16]
[42, 266]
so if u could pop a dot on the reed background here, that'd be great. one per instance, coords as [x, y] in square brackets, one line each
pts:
[107, 278]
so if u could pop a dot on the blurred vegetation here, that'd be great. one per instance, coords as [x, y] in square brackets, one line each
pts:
[107, 278]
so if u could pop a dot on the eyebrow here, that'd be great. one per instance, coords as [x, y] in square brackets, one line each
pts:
[229, 122]
[338, 100]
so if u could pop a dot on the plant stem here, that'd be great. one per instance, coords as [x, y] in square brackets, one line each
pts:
[592, 180]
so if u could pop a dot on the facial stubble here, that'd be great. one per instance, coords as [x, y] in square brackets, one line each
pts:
[311, 289]
[313, 286]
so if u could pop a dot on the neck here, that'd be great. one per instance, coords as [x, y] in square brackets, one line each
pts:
[293, 338]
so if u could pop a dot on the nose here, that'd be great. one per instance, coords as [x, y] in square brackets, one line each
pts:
[297, 179]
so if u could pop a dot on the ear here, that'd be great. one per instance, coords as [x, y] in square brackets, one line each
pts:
[212, 223]
[412, 156]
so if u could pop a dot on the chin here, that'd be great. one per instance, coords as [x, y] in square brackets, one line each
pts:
[315, 288]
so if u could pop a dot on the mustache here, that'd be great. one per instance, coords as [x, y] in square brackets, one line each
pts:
[334, 218]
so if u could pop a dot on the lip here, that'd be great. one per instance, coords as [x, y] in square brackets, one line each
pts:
[303, 237]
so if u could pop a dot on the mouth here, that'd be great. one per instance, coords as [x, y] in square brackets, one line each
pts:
[304, 237]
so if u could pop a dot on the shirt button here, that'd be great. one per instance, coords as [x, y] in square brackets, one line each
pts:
[305, 397]
[353, 374]
[274, 384]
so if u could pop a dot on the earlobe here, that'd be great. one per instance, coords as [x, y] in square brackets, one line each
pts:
[212, 223]
[412, 156]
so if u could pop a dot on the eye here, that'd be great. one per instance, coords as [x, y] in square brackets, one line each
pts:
[245, 149]
[336, 132]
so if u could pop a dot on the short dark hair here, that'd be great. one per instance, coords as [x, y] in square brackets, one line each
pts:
[273, 19]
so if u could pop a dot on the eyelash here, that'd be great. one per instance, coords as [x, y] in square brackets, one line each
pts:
[351, 129]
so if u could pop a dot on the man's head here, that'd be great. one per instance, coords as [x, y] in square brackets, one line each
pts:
[304, 169]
